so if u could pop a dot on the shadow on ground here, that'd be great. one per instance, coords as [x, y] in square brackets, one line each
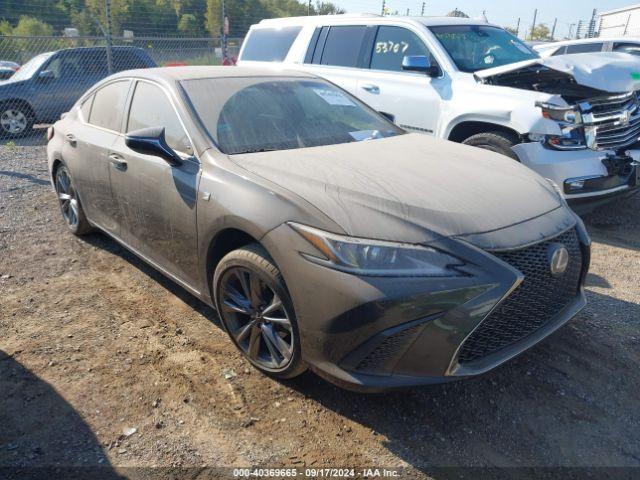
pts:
[41, 435]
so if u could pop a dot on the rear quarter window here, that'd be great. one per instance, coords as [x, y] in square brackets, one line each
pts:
[269, 44]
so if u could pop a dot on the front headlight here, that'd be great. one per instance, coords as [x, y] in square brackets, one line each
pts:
[560, 114]
[569, 121]
[376, 257]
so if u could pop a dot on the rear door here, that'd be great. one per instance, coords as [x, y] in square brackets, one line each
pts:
[337, 54]
[88, 142]
[157, 201]
[413, 98]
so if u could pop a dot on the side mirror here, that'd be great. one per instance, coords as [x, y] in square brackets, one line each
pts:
[46, 75]
[420, 63]
[151, 141]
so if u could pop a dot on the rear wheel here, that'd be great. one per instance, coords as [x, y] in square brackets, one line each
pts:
[257, 313]
[497, 141]
[16, 120]
[70, 207]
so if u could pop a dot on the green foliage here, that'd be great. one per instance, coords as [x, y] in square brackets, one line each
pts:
[540, 32]
[32, 27]
[149, 17]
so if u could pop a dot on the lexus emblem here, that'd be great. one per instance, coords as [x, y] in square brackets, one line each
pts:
[558, 259]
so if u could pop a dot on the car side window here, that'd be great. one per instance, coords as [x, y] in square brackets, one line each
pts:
[150, 107]
[269, 44]
[65, 66]
[342, 46]
[632, 48]
[585, 48]
[392, 44]
[85, 108]
[560, 51]
[108, 104]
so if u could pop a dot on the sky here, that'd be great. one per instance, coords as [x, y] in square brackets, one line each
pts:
[501, 12]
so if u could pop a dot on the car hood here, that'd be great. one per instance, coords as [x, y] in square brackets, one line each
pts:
[11, 83]
[609, 72]
[409, 187]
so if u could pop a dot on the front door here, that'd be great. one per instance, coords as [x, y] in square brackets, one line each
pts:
[157, 201]
[414, 99]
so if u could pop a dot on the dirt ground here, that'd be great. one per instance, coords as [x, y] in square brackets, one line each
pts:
[104, 362]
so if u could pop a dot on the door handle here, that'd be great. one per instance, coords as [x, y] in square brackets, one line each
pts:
[371, 88]
[118, 161]
[71, 138]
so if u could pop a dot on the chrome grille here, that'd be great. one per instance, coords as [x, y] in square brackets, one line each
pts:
[612, 122]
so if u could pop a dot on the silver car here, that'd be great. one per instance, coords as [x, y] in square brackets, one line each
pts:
[324, 235]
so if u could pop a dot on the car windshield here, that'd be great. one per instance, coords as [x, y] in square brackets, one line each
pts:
[246, 115]
[477, 47]
[31, 67]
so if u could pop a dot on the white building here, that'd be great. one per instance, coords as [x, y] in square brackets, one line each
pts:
[621, 22]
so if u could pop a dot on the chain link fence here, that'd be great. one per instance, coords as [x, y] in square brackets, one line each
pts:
[55, 71]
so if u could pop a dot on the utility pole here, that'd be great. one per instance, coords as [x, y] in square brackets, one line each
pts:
[579, 29]
[384, 5]
[592, 25]
[518, 28]
[224, 33]
[533, 25]
[107, 12]
[553, 30]
[571, 30]
[424, 4]
[309, 9]
[408, 12]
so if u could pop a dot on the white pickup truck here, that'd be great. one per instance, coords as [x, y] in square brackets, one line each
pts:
[573, 119]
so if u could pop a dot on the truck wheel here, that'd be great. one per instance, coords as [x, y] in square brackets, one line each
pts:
[256, 311]
[500, 142]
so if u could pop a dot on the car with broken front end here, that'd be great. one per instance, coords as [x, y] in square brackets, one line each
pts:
[324, 235]
[575, 120]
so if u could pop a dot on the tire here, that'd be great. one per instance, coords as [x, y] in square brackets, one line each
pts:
[500, 142]
[70, 207]
[16, 120]
[247, 285]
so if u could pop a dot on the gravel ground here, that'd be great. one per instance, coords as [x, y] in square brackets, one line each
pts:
[103, 362]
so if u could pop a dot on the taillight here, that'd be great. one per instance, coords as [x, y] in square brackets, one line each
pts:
[50, 133]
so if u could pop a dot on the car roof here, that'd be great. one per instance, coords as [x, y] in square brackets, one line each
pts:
[594, 40]
[176, 74]
[324, 19]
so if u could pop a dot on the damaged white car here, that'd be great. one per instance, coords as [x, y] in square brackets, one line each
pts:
[573, 119]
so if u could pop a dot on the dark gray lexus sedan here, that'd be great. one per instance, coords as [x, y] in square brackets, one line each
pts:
[324, 235]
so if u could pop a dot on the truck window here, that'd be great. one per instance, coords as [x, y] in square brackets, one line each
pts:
[631, 48]
[392, 44]
[585, 48]
[343, 45]
[269, 44]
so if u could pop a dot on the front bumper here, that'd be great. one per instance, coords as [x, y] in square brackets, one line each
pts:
[579, 166]
[375, 333]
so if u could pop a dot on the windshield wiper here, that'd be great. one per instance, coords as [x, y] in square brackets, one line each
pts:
[257, 150]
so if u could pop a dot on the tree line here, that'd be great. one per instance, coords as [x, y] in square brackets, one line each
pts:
[192, 18]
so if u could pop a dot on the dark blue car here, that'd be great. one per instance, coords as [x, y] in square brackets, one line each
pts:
[50, 83]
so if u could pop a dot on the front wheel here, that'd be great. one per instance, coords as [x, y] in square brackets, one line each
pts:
[499, 142]
[257, 313]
